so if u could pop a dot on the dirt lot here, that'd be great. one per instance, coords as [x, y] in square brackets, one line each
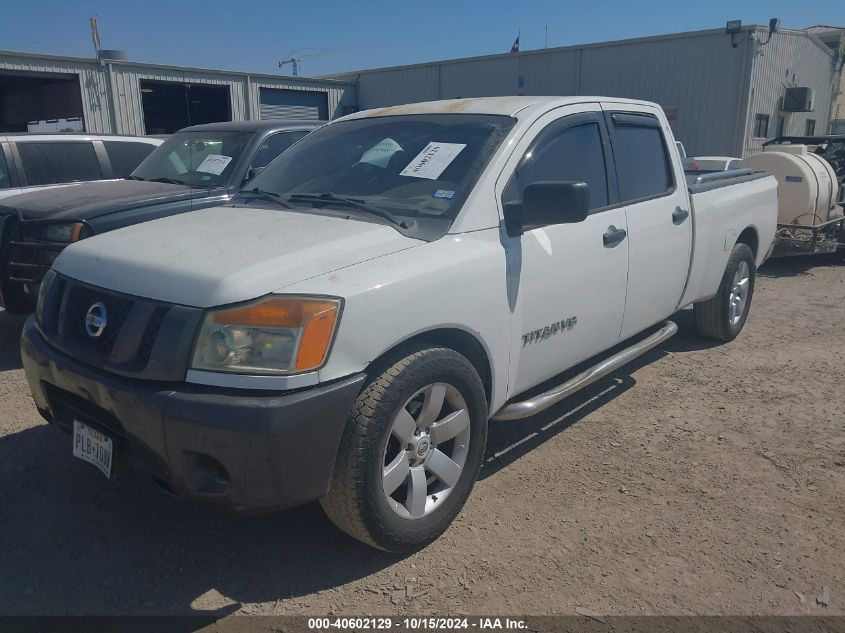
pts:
[703, 479]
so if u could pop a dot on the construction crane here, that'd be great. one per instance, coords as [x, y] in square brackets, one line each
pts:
[294, 59]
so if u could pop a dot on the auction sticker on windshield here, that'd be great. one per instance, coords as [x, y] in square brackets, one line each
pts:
[433, 160]
[214, 164]
[93, 447]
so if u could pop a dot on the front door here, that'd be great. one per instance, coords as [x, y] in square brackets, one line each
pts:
[566, 282]
[658, 213]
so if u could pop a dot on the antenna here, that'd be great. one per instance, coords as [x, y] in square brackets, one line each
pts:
[294, 60]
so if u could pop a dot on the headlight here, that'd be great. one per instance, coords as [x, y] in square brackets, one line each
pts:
[275, 335]
[48, 278]
[55, 231]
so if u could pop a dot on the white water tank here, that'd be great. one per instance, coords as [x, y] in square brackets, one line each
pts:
[807, 186]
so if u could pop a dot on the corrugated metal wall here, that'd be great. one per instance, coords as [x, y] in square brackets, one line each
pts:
[243, 89]
[789, 59]
[119, 83]
[699, 76]
[377, 88]
[338, 96]
[127, 91]
[92, 84]
[702, 81]
[699, 80]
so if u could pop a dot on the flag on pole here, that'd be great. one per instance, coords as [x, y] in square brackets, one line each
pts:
[515, 47]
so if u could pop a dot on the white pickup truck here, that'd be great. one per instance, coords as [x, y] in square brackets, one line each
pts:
[345, 328]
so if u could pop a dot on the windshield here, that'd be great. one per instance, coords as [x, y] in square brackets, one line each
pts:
[408, 165]
[197, 159]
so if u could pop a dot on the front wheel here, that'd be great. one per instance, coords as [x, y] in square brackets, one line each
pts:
[411, 450]
[723, 316]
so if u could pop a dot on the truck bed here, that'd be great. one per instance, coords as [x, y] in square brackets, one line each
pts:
[700, 182]
[723, 204]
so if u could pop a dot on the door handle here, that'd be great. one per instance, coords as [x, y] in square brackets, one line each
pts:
[613, 236]
[679, 215]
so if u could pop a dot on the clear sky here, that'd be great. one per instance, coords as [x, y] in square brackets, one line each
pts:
[253, 36]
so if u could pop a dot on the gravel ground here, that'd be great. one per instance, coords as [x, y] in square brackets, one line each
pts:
[704, 479]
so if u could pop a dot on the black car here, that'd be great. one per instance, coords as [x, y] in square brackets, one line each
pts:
[198, 167]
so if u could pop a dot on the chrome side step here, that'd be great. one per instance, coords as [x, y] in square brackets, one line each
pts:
[541, 402]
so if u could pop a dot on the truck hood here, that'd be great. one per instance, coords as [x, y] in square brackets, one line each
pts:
[87, 200]
[223, 255]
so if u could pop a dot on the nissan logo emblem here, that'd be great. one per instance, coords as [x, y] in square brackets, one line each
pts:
[96, 319]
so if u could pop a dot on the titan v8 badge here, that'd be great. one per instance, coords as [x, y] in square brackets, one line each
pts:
[549, 331]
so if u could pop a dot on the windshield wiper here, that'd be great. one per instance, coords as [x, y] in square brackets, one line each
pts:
[134, 178]
[272, 196]
[171, 181]
[350, 202]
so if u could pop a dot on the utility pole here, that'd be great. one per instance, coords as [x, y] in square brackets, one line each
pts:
[547, 37]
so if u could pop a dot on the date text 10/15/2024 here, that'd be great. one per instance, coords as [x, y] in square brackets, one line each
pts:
[416, 623]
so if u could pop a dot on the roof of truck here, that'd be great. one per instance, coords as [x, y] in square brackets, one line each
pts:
[508, 106]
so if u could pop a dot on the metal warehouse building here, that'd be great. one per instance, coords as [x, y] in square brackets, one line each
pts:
[723, 93]
[112, 95]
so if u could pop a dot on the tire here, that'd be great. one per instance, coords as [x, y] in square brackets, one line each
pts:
[717, 318]
[399, 399]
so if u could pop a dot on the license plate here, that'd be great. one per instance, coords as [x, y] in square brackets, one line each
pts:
[93, 447]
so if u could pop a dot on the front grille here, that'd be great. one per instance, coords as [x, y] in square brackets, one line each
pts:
[29, 261]
[137, 332]
[79, 300]
[148, 339]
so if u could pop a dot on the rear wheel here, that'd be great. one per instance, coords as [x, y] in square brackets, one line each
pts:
[723, 316]
[411, 450]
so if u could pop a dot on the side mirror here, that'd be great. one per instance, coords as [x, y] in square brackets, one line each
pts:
[253, 172]
[547, 203]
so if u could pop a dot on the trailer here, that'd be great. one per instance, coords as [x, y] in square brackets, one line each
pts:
[811, 172]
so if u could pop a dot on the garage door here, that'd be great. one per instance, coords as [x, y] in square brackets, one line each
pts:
[171, 105]
[40, 102]
[300, 105]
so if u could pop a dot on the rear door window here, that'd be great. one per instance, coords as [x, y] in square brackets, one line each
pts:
[50, 163]
[275, 145]
[125, 156]
[642, 161]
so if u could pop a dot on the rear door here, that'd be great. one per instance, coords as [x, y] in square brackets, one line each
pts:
[566, 281]
[657, 211]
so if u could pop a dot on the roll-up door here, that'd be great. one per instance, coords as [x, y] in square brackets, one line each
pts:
[299, 105]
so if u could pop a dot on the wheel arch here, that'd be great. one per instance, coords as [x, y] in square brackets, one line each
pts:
[466, 343]
[750, 238]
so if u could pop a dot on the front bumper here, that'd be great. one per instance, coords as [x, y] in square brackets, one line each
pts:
[240, 450]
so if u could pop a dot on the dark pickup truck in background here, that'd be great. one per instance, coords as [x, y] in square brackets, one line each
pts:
[198, 167]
